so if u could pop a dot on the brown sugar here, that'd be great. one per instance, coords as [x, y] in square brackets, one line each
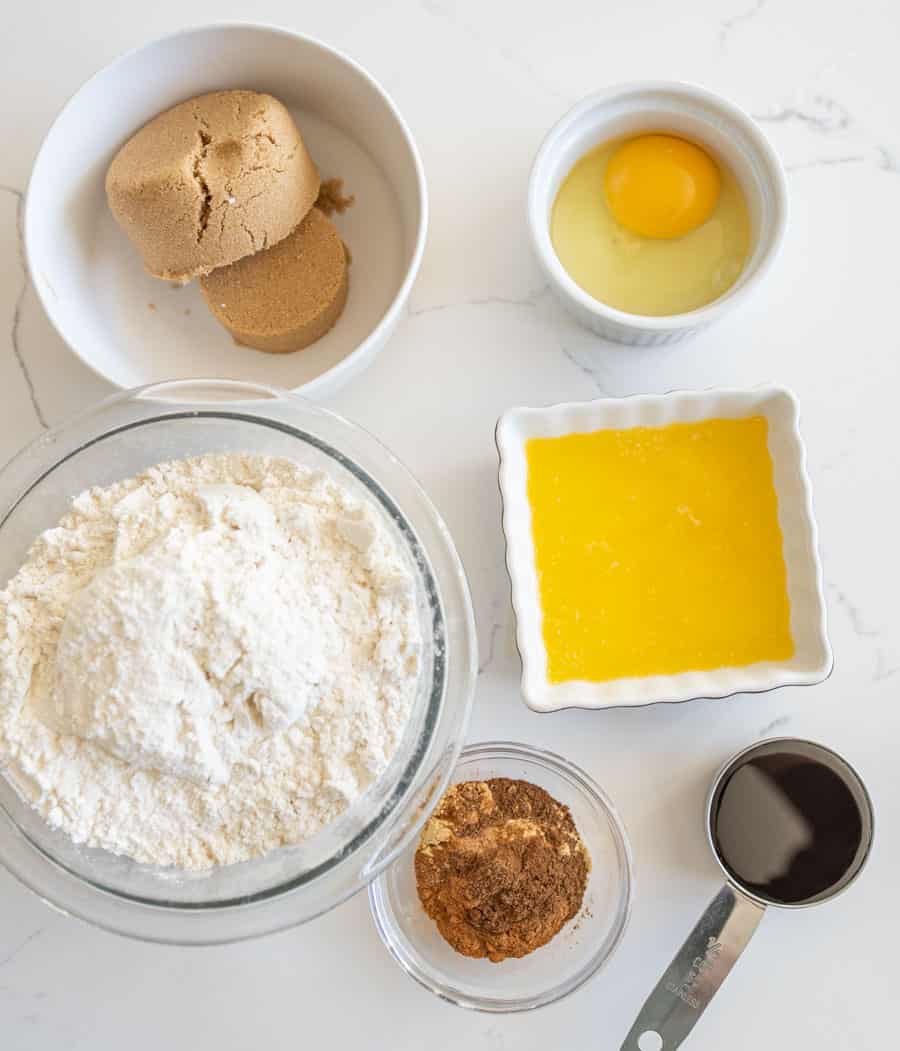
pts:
[210, 181]
[288, 296]
[500, 868]
[331, 197]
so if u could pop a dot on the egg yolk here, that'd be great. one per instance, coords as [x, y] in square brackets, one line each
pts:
[661, 186]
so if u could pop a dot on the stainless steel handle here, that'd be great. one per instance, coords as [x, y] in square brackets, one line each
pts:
[694, 976]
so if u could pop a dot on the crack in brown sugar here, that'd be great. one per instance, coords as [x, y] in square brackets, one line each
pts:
[206, 201]
[249, 233]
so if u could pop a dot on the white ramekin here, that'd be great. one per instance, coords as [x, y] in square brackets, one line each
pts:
[683, 109]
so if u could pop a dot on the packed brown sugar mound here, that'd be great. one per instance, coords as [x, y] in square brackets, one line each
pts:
[288, 296]
[500, 868]
[212, 180]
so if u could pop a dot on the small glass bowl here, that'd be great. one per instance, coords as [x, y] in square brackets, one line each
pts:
[574, 955]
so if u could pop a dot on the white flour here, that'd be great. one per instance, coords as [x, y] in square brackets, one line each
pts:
[207, 661]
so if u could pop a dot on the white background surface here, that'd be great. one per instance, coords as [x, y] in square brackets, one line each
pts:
[480, 83]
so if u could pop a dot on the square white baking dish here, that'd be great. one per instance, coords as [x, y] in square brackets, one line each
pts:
[812, 659]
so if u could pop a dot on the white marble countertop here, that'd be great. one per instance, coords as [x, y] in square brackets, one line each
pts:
[480, 83]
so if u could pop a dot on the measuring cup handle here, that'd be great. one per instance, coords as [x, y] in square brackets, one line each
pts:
[699, 968]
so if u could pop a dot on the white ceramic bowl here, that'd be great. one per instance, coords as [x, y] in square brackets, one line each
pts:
[133, 329]
[682, 109]
[812, 658]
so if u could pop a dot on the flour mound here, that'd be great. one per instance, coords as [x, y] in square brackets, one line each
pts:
[207, 661]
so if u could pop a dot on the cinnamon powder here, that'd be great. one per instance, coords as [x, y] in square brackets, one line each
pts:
[500, 868]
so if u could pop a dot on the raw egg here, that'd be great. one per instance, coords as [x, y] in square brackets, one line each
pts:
[651, 225]
[661, 186]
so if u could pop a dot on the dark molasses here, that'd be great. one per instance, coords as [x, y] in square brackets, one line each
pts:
[787, 826]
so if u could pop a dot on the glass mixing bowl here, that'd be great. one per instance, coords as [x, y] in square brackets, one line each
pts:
[165, 421]
[568, 960]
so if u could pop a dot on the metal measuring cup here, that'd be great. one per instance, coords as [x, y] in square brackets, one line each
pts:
[776, 847]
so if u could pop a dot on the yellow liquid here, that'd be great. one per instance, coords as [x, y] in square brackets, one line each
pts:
[658, 550]
[643, 275]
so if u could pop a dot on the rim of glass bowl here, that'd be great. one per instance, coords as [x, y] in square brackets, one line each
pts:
[589, 788]
[386, 834]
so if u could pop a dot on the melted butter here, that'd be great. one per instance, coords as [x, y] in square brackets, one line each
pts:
[658, 550]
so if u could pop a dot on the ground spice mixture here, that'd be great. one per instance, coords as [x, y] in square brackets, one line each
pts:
[500, 868]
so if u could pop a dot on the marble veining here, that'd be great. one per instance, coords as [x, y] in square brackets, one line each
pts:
[820, 114]
[826, 162]
[16, 323]
[592, 369]
[884, 669]
[489, 653]
[529, 301]
[20, 947]
[825, 116]
[778, 723]
[735, 21]
[887, 161]
[854, 614]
